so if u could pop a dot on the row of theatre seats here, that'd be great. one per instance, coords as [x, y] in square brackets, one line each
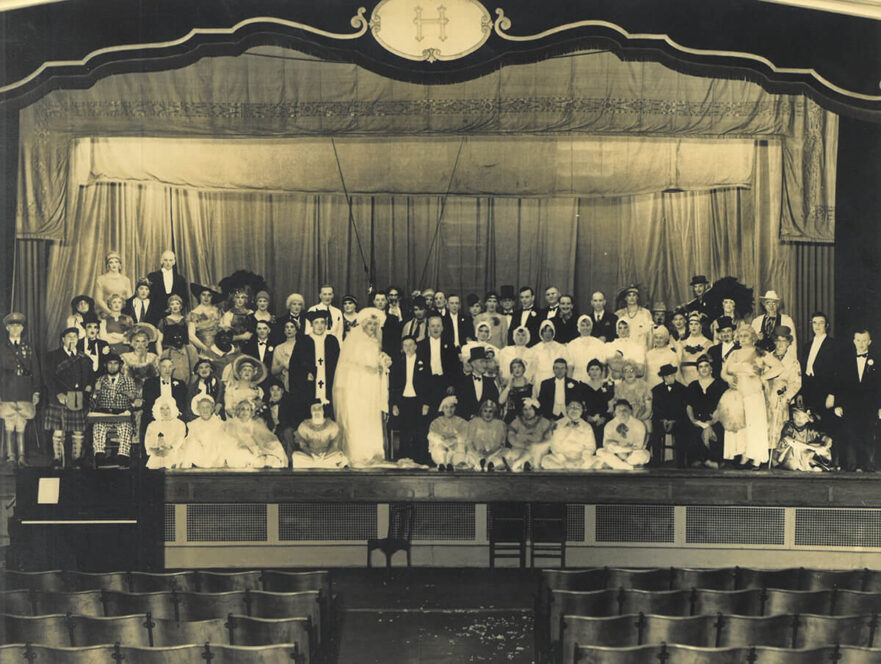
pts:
[79, 613]
[610, 614]
[114, 654]
[674, 654]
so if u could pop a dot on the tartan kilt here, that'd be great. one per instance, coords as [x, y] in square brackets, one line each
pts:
[60, 418]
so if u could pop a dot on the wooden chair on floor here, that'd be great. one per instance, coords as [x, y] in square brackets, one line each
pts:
[400, 530]
[508, 524]
[547, 525]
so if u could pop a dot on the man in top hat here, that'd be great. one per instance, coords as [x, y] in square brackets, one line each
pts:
[525, 316]
[69, 381]
[114, 393]
[19, 385]
[142, 307]
[699, 287]
[334, 315]
[604, 322]
[97, 350]
[765, 324]
[474, 388]
[166, 281]
[720, 352]
[458, 327]
[556, 392]
[669, 416]
[506, 302]
[313, 363]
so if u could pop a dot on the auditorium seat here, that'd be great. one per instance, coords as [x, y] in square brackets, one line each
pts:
[662, 602]
[739, 602]
[205, 606]
[219, 582]
[291, 582]
[613, 632]
[290, 605]
[128, 630]
[41, 654]
[17, 602]
[852, 655]
[815, 631]
[245, 631]
[174, 655]
[723, 578]
[593, 603]
[639, 579]
[697, 631]
[172, 633]
[583, 579]
[276, 654]
[96, 581]
[827, 579]
[189, 654]
[51, 630]
[817, 655]
[872, 581]
[148, 582]
[661, 653]
[852, 602]
[784, 579]
[157, 604]
[78, 603]
[798, 601]
[48, 580]
[774, 631]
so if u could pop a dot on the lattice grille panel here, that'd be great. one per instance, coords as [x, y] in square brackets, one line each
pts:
[444, 521]
[332, 521]
[734, 525]
[634, 523]
[575, 523]
[838, 527]
[226, 523]
[169, 524]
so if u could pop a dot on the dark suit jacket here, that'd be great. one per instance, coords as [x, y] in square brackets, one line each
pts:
[715, 354]
[103, 350]
[573, 391]
[155, 310]
[434, 388]
[277, 334]
[826, 366]
[467, 395]
[391, 336]
[64, 374]
[152, 390]
[466, 327]
[250, 348]
[669, 404]
[605, 327]
[397, 379]
[566, 330]
[859, 399]
[179, 286]
[302, 365]
[532, 324]
[290, 413]
[216, 391]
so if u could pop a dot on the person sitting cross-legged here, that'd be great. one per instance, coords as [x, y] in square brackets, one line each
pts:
[623, 440]
[447, 436]
[528, 436]
[572, 446]
[319, 440]
[802, 446]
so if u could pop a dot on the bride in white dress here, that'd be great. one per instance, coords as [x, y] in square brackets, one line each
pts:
[359, 390]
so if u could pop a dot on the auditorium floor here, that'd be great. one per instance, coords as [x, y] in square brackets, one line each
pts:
[435, 616]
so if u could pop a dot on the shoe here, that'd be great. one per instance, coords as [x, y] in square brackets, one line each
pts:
[123, 461]
[57, 463]
[527, 467]
[490, 467]
[483, 465]
[697, 464]
[441, 468]
[100, 459]
[21, 463]
[450, 468]
[711, 464]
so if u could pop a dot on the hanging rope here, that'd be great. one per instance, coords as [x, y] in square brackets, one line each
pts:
[351, 215]
[440, 214]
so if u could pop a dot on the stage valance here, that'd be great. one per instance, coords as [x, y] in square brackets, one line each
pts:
[279, 93]
[475, 165]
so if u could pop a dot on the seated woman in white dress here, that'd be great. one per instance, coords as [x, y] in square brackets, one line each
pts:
[251, 444]
[624, 348]
[319, 439]
[572, 445]
[624, 439]
[545, 353]
[482, 332]
[485, 438]
[205, 436]
[584, 348]
[243, 379]
[447, 436]
[165, 434]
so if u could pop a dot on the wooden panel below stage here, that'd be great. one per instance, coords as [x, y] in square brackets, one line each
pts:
[665, 487]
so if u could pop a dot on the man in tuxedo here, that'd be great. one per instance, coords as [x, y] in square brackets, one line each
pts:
[407, 406]
[313, 363]
[166, 282]
[506, 302]
[525, 316]
[417, 326]
[283, 414]
[441, 365]
[604, 322]
[458, 327]
[260, 345]
[474, 388]
[391, 329]
[141, 307]
[439, 303]
[819, 366]
[163, 385]
[720, 352]
[552, 302]
[92, 347]
[334, 315]
[554, 393]
[669, 415]
[857, 402]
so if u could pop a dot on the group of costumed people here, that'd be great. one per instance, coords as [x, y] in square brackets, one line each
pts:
[488, 387]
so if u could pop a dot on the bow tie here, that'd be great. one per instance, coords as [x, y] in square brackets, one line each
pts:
[477, 379]
[863, 355]
[166, 382]
[92, 345]
[693, 349]
[261, 343]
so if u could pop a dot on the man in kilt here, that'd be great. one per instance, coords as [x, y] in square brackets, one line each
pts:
[69, 381]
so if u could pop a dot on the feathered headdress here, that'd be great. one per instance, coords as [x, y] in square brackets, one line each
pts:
[729, 288]
[242, 280]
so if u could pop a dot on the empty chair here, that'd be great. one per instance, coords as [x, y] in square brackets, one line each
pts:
[767, 655]
[662, 602]
[784, 579]
[148, 582]
[567, 579]
[815, 631]
[219, 582]
[685, 578]
[798, 601]
[738, 631]
[595, 603]
[613, 632]
[172, 633]
[83, 603]
[12, 654]
[738, 602]
[204, 606]
[40, 654]
[699, 631]
[96, 581]
[871, 581]
[291, 582]
[126, 630]
[639, 579]
[678, 654]
[157, 604]
[290, 653]
[45, 630]
[246, 631]
[18, 602]
[827, 579]
[49, 580]
[171, 655]
[851, 602]
[601, 655]
[853, 655]
[289, 605]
